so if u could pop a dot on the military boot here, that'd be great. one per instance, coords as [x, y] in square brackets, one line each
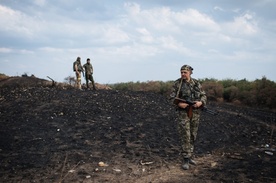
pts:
[185, 164]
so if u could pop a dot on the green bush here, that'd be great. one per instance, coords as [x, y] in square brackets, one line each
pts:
[213, 89]
[260, 92]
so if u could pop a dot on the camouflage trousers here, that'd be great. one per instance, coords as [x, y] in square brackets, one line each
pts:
[90, 77]
[78, 80]
[187, 129]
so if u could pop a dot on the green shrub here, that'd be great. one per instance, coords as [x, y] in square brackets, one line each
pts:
[260, 92]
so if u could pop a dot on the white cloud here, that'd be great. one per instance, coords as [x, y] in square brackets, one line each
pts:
[5, 50]
[52, 50]
[40, 2]
[24, 51]
[170, 43]
[213, 51]
[146, 36]
[132, 8]
[218, 8]
[163, 19]
[114, 35]
[236, 10]
[158, 19]
[194, 18]
[242, 25]
[15, 51]
[17, 23]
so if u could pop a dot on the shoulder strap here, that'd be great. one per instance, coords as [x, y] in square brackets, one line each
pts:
[177, 94]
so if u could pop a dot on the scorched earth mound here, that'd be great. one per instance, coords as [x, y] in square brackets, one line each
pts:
[66, 135]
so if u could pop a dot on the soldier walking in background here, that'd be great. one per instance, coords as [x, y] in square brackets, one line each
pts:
[190, 89]
[77, 67]
[89, 74]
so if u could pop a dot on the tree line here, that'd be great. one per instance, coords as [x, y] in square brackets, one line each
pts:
[257, 93]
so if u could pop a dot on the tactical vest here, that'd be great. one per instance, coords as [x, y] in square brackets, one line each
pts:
[190, 90]
[78, 65]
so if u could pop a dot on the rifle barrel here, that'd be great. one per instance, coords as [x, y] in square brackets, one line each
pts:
[209, 111]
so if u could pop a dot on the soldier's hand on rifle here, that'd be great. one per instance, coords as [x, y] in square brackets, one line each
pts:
[182, 105]
[197, 104]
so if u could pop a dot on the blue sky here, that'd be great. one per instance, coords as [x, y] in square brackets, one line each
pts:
[145, 40]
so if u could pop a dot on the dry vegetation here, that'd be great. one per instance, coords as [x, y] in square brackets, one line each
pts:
[258, 93]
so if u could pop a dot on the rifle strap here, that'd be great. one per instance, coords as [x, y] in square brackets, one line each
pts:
[190, 112]
[177, 94]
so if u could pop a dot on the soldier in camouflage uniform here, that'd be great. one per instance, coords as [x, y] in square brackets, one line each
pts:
[89, 73]
[188, 88]
[78, 69]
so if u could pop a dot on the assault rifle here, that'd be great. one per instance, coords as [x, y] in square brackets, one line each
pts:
[190, 107]
[82, 70]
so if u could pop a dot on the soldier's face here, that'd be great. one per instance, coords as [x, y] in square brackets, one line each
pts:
[185, 74]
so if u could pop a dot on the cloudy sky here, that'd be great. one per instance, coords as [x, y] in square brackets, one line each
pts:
[142, 40]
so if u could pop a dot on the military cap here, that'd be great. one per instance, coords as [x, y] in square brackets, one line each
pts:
[187, 68]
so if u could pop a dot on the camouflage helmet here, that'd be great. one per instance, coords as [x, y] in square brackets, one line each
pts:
[78, 58]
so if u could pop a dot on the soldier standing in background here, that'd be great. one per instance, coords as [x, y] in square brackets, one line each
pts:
[89, 73]
[188, 88]
[77, 67]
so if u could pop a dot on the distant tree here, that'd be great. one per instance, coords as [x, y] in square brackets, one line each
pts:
[227, 83]
[265, 92]
[231, 93]
[70, 80]
[213, 89]
[3, 76]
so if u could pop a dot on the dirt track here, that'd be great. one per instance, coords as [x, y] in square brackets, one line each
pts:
[57, 135]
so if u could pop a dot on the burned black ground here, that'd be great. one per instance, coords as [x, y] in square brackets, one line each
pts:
[50, 134]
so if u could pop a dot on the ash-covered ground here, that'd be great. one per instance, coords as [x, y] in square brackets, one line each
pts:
[50, 134]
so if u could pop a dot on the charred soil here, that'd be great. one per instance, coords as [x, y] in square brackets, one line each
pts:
[50, 134]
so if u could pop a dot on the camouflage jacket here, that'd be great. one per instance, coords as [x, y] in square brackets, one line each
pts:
[80, 68]
[88, 68]
[191, 90]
